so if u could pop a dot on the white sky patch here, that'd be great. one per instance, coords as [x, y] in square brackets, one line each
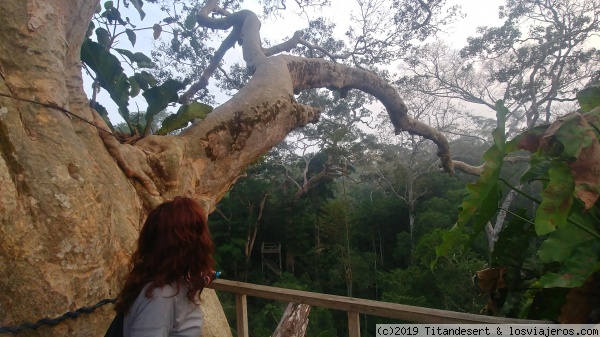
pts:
[277, 29]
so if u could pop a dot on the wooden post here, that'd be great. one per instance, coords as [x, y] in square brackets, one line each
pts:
[241, 309]
[353, 324]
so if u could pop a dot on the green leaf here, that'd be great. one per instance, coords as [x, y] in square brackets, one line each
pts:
[126, 117]
[190, 21]
[557, 199]
[90, 30]
[131, 36]
[103, 37]
[510, 250]
[109, 73]
[142, 60]
[511, 247]
[103, 113]
[108, 5]
[160, 96]
[113, 14]
[184, 115]
[487, 208]
[484, 192]
[145, 80]
[129, 22]
[140, 57]
[146, 64]
[157, 30]
[135, 87]
[126, 53]
[140, 127]
[575, 270]
[566, 137]
[565, 240]
[169, 20]
[121, 94]
[589, 98]
[138, 5]
[538, 169]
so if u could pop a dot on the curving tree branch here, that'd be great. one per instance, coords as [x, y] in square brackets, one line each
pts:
[476, 170]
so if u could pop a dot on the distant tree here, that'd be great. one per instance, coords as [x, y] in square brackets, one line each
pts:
[536, 60]
[401, 162]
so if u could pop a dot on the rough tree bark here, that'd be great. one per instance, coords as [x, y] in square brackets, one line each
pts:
[73, 197]
[294, 321]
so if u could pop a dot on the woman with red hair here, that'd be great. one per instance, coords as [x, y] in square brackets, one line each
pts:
[172, 264]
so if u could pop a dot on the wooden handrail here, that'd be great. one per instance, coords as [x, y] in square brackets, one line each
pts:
[354, 306]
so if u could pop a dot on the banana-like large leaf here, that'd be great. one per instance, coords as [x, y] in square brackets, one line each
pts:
[557, 199]
[575, 270]
[562, 244]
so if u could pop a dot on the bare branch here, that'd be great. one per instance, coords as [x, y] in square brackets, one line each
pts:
[322, 50]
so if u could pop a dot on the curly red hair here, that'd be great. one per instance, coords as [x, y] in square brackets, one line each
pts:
[174, 246]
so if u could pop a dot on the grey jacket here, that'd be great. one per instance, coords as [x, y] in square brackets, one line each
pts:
[169, 313]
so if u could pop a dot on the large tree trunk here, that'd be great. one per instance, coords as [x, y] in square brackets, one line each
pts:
[68, 213]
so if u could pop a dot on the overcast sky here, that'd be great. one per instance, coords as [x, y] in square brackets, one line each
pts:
[478, 13]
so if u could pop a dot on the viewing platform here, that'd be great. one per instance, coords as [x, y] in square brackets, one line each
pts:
[353, 306]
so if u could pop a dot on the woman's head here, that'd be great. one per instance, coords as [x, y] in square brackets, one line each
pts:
[174, 245]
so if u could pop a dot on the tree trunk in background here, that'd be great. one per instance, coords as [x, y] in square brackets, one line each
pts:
[69, 216]
[492, 231]
[294, 321]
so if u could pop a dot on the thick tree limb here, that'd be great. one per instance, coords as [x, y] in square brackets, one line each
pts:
[476, 170]
[284, 46]
[205, 160]
[318, 73]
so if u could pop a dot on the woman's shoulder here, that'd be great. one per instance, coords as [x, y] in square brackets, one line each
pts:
[166, 291]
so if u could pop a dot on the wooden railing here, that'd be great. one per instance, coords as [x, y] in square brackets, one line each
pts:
[353, 306]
